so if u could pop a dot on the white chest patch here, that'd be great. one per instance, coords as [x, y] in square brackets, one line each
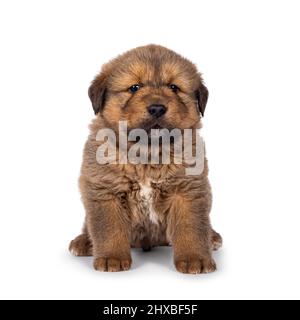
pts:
[146, 195]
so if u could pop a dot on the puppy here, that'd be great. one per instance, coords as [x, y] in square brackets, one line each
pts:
[144, 205]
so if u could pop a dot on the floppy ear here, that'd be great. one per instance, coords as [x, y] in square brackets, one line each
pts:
[202, 96]
[97, 92]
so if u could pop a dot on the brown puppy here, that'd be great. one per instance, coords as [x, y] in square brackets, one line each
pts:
[146, 205]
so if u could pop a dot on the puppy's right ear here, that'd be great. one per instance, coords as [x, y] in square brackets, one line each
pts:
[97, 92]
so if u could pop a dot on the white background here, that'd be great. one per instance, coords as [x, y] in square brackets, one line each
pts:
[249, 54]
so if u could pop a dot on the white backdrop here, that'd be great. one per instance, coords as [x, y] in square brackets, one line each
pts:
[249, 54]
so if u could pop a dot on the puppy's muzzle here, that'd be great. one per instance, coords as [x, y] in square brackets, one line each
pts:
[157, 110]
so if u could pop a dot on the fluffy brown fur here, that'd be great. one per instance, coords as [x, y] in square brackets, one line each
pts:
[119, 214]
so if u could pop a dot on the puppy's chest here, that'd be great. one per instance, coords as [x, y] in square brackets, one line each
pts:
[143, 200]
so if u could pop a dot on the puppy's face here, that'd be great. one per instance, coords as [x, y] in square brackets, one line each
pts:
[149, 87]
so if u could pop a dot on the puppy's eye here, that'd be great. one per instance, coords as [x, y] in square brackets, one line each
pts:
[134, 88]
[174, 88]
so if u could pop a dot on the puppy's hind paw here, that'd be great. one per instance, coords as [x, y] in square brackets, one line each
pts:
[216, 240]
[81, 246]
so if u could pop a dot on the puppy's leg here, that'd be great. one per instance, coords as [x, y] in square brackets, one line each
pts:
[190, 232]
[81, 245]
[108, 227]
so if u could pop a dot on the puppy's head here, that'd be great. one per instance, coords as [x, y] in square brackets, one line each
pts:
[149, 87]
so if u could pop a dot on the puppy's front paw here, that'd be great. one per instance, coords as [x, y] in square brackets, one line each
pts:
[195, 264]
[112, 264]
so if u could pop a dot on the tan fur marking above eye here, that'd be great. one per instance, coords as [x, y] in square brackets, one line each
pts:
[128, 75]
[176, 73]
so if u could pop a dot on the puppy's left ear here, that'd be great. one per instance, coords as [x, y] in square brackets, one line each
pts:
[97, 92]
[202, 97]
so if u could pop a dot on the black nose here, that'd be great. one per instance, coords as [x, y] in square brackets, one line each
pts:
[157, 110]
